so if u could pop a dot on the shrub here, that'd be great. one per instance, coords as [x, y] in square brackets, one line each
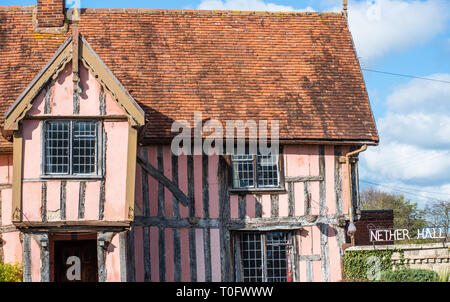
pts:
[10, 272]
[357, 264]
[409, 275]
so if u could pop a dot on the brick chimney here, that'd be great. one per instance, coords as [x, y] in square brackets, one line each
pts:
[50, 13]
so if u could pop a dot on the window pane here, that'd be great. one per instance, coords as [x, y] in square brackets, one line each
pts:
[57, 147]
[267, 169]
[243, 171]
[251, 257]
[276, 256]
[84, 147]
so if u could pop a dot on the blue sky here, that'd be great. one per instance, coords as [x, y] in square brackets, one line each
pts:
[409, 37]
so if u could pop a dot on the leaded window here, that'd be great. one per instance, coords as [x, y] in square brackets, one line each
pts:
[255, 171]
[264, 256]
[71, 147]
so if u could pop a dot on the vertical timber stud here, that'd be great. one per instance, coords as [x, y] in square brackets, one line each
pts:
[101, 257]
[26, 258]
[131, 275]
[146, 213]
[291, 200]
[242, 206]
[131, 171]
[338, 180]
[339, 232]
[274, 206]
[161, 214]
[123, 256]
[258, 206]
[42, 240]
[145, 191]
[17, 177]
[324, 250]
[63, 200]
[176, 231]
[48, 96]
[81, 199]
[307, 199]
[101, 200]
[191, 195]
[206, 230]
[224, 214]
[147, 253]
[44, 201]
[102, 103]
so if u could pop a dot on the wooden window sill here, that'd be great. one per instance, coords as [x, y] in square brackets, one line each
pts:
[279, 190]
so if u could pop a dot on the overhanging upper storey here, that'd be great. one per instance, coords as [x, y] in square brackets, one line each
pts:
[65, 54]
[74, 121]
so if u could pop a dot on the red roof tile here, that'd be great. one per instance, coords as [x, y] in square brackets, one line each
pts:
[299, 68]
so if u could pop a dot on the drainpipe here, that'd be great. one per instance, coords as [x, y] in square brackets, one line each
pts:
[351, 227]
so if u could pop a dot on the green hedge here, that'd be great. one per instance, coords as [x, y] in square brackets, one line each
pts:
[409, 275]
[357, 264]
[10, 272]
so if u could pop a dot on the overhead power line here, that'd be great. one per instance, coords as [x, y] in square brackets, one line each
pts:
[406, 188]
[406, 191]
[406, 75]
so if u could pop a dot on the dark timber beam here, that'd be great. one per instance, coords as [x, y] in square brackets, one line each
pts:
[159, 176]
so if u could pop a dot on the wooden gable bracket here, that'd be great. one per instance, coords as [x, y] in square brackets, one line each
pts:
[23, 103]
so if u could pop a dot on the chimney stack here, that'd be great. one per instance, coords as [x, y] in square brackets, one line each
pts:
[345, 7]
[50, 13]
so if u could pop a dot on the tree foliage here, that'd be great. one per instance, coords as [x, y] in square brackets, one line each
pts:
[437, 214]
[407, 215]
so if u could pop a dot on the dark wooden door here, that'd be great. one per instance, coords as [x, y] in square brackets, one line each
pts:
[76, 261]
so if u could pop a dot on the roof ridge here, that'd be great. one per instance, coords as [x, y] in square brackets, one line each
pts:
[182, 11]
[17, 7]
[211, 12]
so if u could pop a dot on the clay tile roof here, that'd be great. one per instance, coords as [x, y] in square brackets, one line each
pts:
[298, 68]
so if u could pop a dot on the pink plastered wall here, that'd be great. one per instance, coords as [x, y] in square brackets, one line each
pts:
[116, 133]
[301, 161]
[61, 96]
[112, 260]
[298, 161]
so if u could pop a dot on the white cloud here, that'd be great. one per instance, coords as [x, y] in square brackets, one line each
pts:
[246, 5]
[429, 131]
[382, 26]
[414, 145]
[422, 96]
[407, 163]
[378, 26]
